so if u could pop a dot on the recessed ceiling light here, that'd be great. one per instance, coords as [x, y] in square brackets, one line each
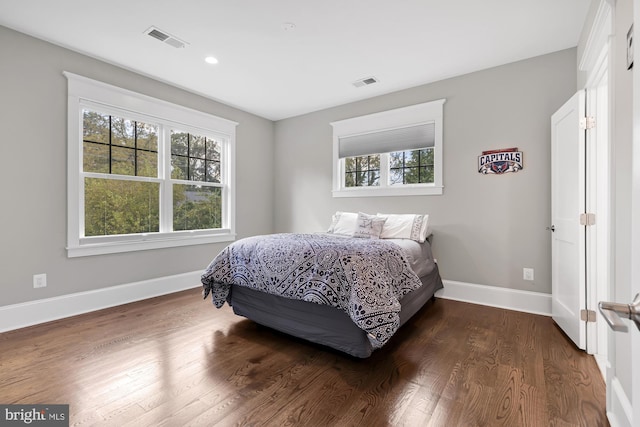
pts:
[210, 60]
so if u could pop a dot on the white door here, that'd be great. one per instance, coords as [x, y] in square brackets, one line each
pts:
[623, 314]
[568, 294]
[623, 383]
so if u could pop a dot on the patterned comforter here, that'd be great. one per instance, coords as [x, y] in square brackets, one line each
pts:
[364, 278]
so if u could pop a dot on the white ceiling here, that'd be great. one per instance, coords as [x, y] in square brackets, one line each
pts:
[275, 73]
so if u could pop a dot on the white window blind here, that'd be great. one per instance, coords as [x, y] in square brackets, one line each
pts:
[386, 141]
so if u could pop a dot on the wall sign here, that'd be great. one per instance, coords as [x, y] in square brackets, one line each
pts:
[500, 161]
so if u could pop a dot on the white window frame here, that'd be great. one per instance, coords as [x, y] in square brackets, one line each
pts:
[84, 92]
[428, 112]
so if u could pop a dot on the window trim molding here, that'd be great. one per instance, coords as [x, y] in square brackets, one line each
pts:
[412, 115]
[82, 90]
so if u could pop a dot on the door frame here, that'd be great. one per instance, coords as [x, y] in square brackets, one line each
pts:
[635, 209]
[596, 63]
[623, 404]
[598, 201]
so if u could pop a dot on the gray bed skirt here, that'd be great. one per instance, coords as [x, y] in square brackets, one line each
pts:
[322, 324]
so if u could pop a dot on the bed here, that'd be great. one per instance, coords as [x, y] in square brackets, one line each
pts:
[350, 288]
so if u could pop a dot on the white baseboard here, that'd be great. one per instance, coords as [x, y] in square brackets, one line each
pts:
[493, 296]
[45, 310]
[34, 312]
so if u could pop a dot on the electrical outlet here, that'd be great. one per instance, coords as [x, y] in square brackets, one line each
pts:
[527, 273]
[39, 280]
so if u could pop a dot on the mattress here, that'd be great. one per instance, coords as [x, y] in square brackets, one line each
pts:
[323, 324]
[351, 294]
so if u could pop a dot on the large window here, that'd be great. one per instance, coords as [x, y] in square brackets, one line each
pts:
[392, 153]
[144, 173]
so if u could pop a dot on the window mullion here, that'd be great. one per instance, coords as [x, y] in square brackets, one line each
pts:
[384, 169]
[224, 181]
[166, 189]
[81, 205]
[135, 147]
[189, 156]
[206, 170]
[110, 144]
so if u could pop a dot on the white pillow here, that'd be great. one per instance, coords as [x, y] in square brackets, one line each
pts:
[405, 226]
[344, 223]
[368, 226]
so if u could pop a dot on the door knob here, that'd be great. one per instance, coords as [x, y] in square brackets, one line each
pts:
[552, 228]
[613, 312]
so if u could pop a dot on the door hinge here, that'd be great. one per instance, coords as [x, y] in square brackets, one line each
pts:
[587, 219]
[588, 315]
[588, 122]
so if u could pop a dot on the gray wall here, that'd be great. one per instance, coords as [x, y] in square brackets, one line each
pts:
[33, 98]
[486, 228]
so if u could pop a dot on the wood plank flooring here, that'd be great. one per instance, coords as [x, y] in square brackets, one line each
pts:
[178, 361]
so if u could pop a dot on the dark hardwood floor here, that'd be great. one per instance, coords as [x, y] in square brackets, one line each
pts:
[177, 361]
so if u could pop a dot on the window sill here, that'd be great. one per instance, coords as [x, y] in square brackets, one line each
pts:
[430, 190]
[97, 246]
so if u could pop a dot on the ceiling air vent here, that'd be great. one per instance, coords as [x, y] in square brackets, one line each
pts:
[365, 82]
[165, 37]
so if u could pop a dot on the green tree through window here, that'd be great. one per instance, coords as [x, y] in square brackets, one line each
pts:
[144, 173]
[114, 145]
[411, 167]
[195, 158]
[362, 171]
[115, 148]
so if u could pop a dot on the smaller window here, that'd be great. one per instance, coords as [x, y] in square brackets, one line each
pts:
[395, 152]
